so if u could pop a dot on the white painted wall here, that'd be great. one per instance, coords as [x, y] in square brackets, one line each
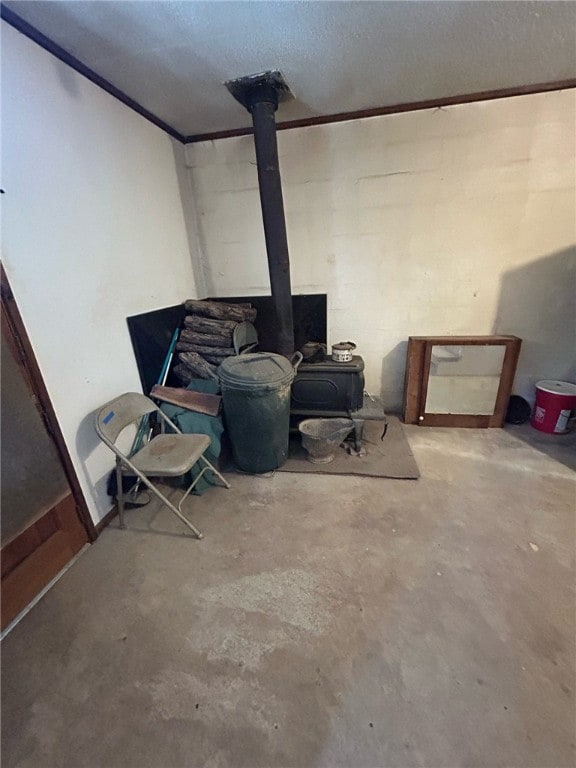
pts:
[457, 220]
[93, 231]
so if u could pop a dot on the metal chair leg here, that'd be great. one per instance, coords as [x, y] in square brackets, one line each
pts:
[171, 507]
[157, 493]
[120, 492]
[213, 468]
[208, 468]
[160, 495]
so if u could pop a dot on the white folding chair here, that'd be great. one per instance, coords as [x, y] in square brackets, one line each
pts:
[166, 455]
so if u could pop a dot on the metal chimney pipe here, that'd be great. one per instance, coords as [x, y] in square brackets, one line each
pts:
[260, 95]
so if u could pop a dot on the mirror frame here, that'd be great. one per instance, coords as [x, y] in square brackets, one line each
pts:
[418, 370]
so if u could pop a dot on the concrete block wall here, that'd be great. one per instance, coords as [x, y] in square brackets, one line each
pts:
[446, 221]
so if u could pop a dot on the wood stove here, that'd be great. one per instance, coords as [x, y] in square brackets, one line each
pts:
[326, 388]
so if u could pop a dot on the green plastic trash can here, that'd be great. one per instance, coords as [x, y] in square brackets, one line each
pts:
[256, 399]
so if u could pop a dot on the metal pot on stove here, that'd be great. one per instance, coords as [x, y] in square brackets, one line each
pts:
[313, 350]
[342, 352]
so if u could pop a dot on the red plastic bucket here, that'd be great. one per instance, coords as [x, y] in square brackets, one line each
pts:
[555, 401]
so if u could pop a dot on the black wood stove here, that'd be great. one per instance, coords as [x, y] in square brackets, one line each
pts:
[326, 389]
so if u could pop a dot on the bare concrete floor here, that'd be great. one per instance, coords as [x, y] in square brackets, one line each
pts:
[323, 621]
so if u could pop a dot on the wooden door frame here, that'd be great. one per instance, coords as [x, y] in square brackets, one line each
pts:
[31, 372]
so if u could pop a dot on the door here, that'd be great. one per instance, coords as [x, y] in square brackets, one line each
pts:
[41, 528]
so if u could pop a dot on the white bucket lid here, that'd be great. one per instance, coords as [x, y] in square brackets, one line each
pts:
[557, 387]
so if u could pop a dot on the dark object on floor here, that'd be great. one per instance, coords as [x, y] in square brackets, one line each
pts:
[200, 402]
[133, 495]
[389, 458]
[136, 498]
[518, 411]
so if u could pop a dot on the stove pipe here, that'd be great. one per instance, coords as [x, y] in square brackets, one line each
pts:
[260, 95]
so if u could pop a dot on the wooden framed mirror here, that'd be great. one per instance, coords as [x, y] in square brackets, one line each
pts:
[459, 381]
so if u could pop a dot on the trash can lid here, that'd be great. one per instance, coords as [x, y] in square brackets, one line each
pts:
[557, 387]
[256, 369]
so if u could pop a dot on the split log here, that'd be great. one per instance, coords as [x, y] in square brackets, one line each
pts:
[184, 374]
[221, 352]
[198, 365]
[220, 310]
[208, 325]
[214, 360]
[205, 339]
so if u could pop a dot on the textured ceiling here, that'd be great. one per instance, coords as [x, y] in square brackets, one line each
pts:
[172, 57]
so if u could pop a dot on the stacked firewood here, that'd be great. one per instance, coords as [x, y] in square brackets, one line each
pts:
[207, 337]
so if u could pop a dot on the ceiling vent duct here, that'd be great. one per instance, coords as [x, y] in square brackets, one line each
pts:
[260, 95]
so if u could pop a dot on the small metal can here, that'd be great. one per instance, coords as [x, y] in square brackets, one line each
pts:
[342, 352]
